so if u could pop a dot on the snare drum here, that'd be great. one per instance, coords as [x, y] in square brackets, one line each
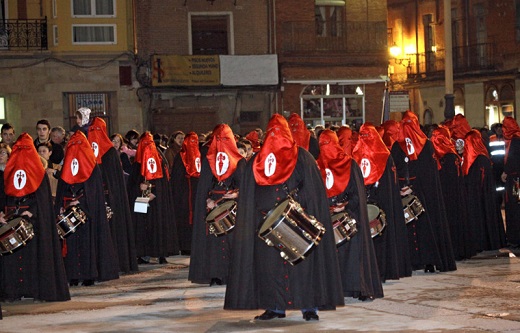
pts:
[71, 219]
[291, 231]
[221, 219]
[412, 208]
[344, 227]
[377, 218]
[15, 234]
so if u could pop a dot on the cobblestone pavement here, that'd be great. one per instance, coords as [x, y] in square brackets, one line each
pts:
[483, 295]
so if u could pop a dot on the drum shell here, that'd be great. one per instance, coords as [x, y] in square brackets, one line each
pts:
[412, 208]
[15, 234]
[344, 227]
[221, 219]
[377, 220]
[291, 231]
[70, 220]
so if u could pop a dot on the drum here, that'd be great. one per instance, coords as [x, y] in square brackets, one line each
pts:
[15, 234]
[70, 220]
[412, 208]
[377, 219]
[291, 231]
[221, 219]
[344, 227]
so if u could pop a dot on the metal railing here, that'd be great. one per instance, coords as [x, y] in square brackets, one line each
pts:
[334, 36]
[23, 34]
[475, 57]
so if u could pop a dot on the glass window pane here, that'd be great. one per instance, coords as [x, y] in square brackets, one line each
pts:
[81, 7]
[104, 7]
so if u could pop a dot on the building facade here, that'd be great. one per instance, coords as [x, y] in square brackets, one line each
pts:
[485, 36]
[59, 55]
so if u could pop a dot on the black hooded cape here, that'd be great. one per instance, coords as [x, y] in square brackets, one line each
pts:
[512, 205]
[90, 251]
[357, 257]
[259, 277]
[428, 237]
[121, 226]
[36, 270]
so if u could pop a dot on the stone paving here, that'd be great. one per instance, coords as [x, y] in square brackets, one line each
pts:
[483, 295]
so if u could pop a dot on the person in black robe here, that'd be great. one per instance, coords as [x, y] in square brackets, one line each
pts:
[35, 270]
[344, 184]
[511, 176]
[382, 191]
[89, 252]
[155, 230]
[449, 164]
[302, 135]
[483, 213]
[116, 196]
[184, 180]
[429, 235]
[259, 277]
[219, 182]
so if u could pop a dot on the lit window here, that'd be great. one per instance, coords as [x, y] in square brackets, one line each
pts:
[2, 108]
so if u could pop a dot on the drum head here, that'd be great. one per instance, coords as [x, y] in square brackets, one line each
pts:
[273, 216]
[373, 212]
[225, 206]
[11, 224]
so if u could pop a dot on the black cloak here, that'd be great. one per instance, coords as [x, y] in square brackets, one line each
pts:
[121, 226]
[454, 193]
[90, 252]
[210, 255]
[391, 245]
[357, 257]
[36, 270]
[429, 236]
[155, 231]
[483, 213]
[258, 277]
[184, 195]
[512, 205]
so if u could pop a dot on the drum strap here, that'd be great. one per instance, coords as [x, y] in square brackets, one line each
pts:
[294, 192]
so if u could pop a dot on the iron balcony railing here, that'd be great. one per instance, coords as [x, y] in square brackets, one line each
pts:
[476, 57]
[23, 34]
[334, 36]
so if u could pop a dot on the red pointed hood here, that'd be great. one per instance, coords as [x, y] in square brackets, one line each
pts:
[149, 158]
[334, 163]
[371, 154]
[223, 155]
[299, 131]
[190, 154]
[411, 138]
[473, 148]
[79, 159]
[98, 137]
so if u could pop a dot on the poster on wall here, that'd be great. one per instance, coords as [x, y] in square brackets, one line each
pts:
[177, 70]
[399, 101]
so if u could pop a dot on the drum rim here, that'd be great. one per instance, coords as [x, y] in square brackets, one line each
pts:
[268, 227]
[220, 207]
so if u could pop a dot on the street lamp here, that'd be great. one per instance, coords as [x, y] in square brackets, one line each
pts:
[395, 52]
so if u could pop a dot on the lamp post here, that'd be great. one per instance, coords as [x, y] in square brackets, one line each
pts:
[449, 105]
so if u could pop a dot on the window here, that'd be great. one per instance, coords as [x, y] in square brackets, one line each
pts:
[93, 7]
[328, 20]
[94, 34]
[210, 34]
[54, 9]
[98, 103]
[55, 34]
[2, 108]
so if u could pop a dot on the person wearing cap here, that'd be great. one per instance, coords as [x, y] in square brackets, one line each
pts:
[89, 252]
[219, 182]
[35, 270]
[260, 277]
[82, 120]
[115, 194]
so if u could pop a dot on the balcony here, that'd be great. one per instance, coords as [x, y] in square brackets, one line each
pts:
[317, 37]
[471, 58]
[23, 35]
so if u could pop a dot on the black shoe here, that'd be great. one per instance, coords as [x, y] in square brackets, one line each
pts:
[73, 282]
[185, 252]
[310, 315]
[268, 315]
[429, 269]
[215, 282]
[141, 261]
[88, 283]
[162, 260]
